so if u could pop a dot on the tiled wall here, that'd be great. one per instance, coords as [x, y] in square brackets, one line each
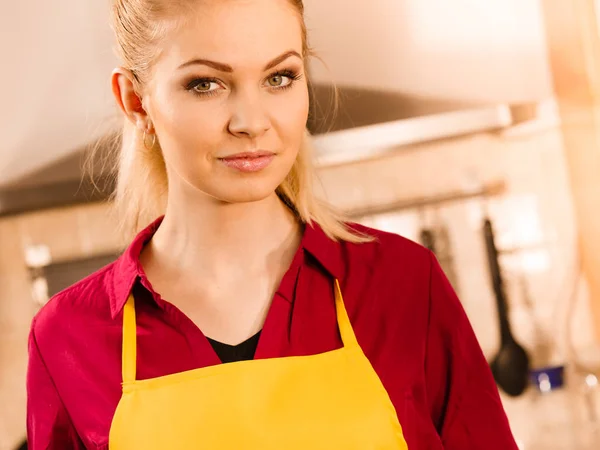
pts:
[533, 219]
[535, 215]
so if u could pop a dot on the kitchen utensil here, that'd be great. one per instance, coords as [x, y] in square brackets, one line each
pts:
[444, 252]
[426, 235]
[427, 238]
[510, 366]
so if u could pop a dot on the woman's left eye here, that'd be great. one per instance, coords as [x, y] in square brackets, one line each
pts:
[279, 80]
[282, 80]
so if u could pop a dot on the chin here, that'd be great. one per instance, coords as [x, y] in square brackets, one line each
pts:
[243, 191]
[247, 196]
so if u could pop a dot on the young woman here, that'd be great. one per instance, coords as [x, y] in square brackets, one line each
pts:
[248, 314]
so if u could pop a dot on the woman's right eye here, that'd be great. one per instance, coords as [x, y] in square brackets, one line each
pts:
[204, 86]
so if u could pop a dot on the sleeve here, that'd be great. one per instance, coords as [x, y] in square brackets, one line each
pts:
[461, 390]
[48, 424]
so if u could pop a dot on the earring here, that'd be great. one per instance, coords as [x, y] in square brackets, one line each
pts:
[151, 146]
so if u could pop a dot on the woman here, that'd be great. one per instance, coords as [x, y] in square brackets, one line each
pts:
[250, 315]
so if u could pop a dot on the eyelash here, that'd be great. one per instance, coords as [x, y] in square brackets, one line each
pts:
[291, 74]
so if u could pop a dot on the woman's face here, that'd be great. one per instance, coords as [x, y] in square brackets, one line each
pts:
[228, 98]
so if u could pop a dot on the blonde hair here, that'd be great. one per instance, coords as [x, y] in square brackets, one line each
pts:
[141, 189]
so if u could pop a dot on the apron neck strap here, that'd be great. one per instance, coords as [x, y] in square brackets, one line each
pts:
[129, 341]
[344, 324]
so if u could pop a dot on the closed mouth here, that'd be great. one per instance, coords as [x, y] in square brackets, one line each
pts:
[248, 155]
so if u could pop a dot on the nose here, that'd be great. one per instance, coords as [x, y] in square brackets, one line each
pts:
[248, 117]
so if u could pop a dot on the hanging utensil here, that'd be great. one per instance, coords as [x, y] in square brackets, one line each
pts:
[444, 252]
[510, 366]
[427, 239]
[426, 235]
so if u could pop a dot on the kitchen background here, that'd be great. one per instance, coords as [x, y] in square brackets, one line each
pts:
[452, 112]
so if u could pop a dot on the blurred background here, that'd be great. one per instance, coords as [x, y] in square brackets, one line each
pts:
[455, 115]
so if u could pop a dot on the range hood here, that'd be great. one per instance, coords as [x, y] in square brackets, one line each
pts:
[369, 123]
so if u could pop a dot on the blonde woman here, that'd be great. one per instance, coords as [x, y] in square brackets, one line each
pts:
[248, 314]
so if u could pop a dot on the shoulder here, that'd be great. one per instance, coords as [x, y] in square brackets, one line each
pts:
[68, 312]
[75, 342]
[388, 253]
[406, 277]
[388, 286]
[390, 273]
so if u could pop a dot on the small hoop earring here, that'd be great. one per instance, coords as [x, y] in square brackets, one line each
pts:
[153, 141]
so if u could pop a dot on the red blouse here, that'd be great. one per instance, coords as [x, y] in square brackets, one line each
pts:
[405, 314]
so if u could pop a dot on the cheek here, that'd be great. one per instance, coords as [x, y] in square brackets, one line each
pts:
[291, 116]
[188, 128]
[187, 117]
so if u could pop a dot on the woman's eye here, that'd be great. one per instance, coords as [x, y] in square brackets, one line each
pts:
[205, 86]
[279, 81]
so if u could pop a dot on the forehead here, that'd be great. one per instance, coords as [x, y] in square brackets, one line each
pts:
[241, 33]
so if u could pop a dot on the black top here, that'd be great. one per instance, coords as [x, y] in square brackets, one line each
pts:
[232, 353]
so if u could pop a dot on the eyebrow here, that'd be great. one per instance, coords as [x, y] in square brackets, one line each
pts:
[227, 68]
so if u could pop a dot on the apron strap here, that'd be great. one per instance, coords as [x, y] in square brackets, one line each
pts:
[346, 331]
[129, 341]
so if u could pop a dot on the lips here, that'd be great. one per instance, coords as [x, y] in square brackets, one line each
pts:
[248, 161]
[249, 155]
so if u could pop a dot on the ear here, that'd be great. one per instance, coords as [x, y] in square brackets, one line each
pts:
[127, 98]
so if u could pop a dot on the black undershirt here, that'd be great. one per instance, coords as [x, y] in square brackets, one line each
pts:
[232, 353]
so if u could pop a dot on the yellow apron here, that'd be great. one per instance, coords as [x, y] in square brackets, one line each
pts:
[332, 400]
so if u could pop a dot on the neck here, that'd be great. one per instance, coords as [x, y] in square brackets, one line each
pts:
[206, 237]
